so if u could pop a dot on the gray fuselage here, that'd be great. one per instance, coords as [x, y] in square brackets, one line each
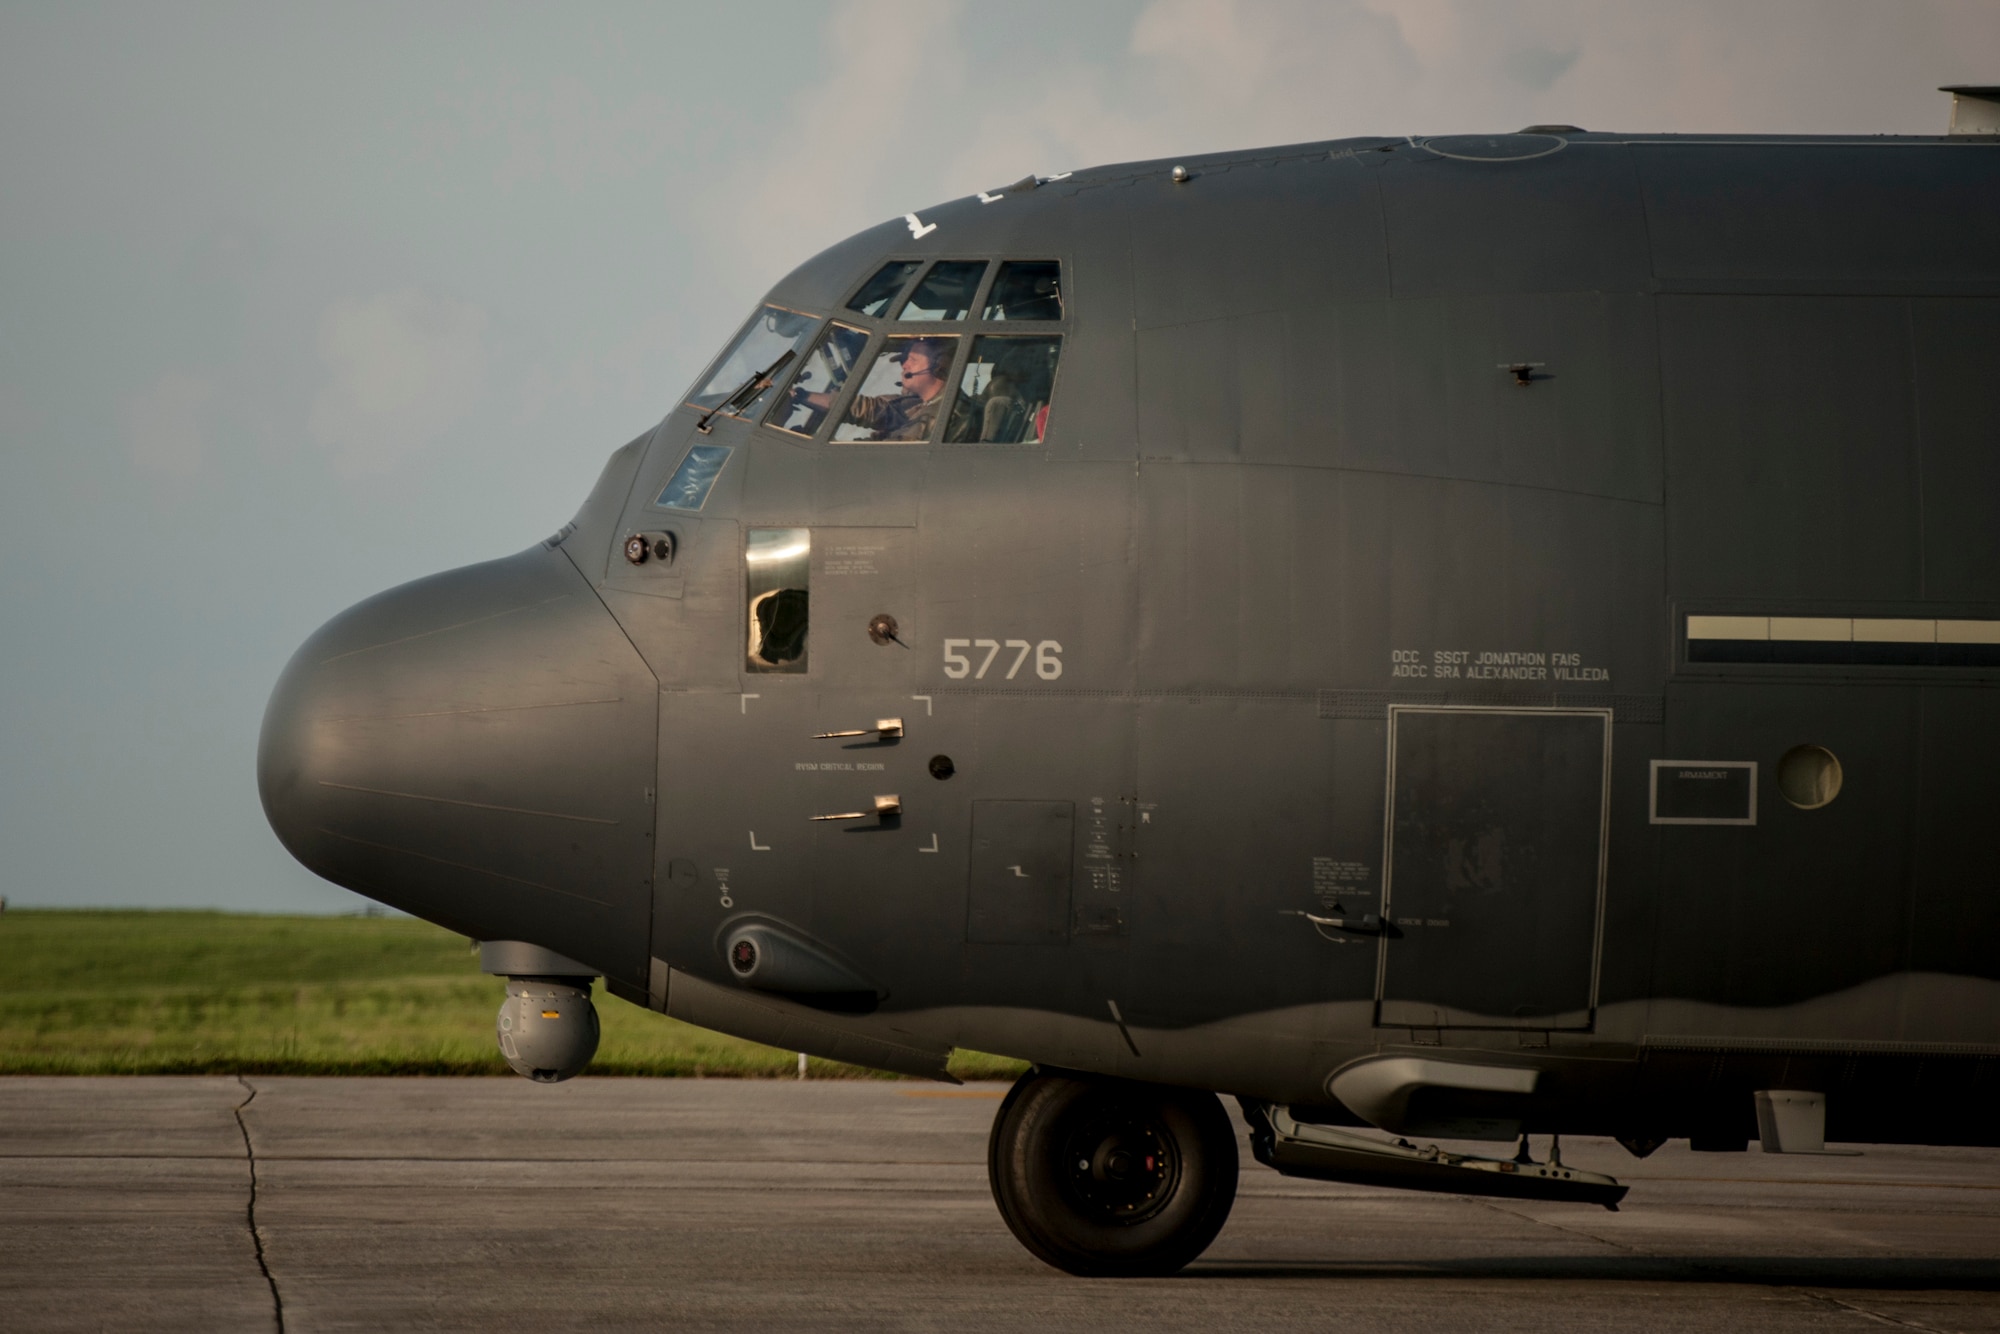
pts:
[1451, 577]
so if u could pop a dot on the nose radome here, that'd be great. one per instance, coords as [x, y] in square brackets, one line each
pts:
[478, 749]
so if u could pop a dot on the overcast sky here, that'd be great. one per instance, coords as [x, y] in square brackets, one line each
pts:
[298, 303]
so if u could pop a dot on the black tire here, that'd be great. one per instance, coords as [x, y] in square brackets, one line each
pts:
[1108, 1178]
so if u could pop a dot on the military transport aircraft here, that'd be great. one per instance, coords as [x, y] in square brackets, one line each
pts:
[1471, 637]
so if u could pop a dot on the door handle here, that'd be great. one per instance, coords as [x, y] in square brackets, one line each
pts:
[886, 809]
[1366, 924]
[888, 729]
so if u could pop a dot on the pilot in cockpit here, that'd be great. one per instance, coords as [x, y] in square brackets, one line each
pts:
[906, 415]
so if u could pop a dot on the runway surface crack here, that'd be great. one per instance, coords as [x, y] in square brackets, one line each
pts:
[1851, 1308]
[1569, 1231]
[1699, 1266]
[256, 1235]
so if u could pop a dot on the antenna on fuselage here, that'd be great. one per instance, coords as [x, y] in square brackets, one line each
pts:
[1975, 109]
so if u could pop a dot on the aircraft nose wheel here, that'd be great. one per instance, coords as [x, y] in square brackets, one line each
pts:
[1104, 1177]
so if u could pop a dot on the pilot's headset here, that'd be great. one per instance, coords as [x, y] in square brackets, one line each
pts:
[933, 350]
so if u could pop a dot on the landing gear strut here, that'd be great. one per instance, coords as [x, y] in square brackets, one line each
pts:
[1110, 1178]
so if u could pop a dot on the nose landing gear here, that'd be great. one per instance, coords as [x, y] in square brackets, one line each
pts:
[1109, 1178]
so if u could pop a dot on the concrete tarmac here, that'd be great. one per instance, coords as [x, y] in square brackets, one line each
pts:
[608, 1204]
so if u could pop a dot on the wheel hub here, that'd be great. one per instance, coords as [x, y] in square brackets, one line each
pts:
[1121, 1168]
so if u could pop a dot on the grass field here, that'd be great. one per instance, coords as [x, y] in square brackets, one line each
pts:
[94, 993]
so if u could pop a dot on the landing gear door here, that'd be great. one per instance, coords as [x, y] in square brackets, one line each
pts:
[1494, 867]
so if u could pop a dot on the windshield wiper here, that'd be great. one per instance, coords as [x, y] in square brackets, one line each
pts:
[746, 393]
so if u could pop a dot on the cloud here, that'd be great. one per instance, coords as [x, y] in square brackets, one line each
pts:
[821, 181]
[1538, 66]
[166, 425]
[1277, 72]
[401, 369]
[1301, 69]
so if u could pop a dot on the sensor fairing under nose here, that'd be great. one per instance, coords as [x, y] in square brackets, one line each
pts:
[547, 1027]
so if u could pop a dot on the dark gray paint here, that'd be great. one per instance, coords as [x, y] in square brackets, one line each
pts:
[1282, 449]
[464, 747]
[1496, 834]
[1018, 883]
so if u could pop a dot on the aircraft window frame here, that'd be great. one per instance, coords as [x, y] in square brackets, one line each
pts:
[963, 333]
[976, 315]
[981, 295]
[752, 409]
[840, 391]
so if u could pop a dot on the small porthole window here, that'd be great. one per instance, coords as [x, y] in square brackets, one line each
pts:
[1809, 777]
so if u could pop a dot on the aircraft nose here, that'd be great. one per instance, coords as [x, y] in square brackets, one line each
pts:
[476, 748]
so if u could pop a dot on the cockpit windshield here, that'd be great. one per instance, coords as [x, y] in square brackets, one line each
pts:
[819, 379]
[900, 398]
[1004, 391]
[1026, 289]
[773, 336]
[946, 291]
[876, 294]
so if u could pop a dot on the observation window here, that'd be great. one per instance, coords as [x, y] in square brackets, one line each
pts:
[1026, 289]
[777, 573]
[1003, 393]
[1809, 776]
[688, 488]
[903, 393]
[819, 379]
[876, 294]
[768, 344]
[946, 292]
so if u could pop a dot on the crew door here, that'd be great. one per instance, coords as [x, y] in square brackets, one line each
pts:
[866, 760]
[1494, 867]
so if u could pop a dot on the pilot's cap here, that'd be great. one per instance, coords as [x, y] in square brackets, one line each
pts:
[938, 350]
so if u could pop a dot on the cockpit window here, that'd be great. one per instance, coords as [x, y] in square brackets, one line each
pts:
[876, 294]
[946, 292]
[688, 488]
[766, 345]
[777, 574]
[1003, 394]
[901, 397]
[819, 379]
[1026, 289]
